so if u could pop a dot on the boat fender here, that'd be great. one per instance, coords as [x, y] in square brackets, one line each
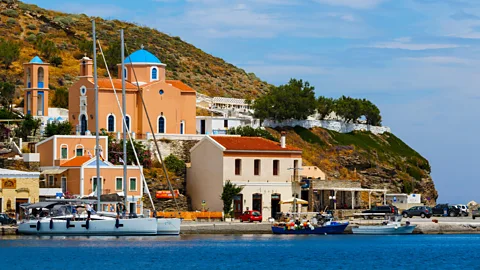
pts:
[68, 223]
[396, 227]
[117, 223]
[38, 225]
[51, 224]
[87, 225]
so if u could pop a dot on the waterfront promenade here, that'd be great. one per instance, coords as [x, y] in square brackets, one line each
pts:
[445, 225]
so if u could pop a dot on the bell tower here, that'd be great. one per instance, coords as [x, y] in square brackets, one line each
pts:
[36, 87]
[86, 67]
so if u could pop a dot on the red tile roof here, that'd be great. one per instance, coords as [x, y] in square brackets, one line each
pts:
[105, 83]
[76, 161]
[180, 85]
[251, 144]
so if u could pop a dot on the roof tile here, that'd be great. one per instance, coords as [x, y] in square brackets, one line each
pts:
[104, 83]
[180, 85]
[76, 161]
[251, 144]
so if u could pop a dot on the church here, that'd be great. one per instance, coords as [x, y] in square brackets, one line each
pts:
[171, 104]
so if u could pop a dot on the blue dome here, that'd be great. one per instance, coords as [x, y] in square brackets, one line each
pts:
[142, 56]
[36, 60]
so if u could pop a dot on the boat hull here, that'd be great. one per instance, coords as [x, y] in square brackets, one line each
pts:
[168, 226]
[384, 230]
[128, 227]
[330, 229]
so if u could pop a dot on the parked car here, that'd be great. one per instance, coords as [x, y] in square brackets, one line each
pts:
[440, 209]
[463, 209]
[475, 212]
[250, 216]
[385, 209]
[422, 211]
[5, 219]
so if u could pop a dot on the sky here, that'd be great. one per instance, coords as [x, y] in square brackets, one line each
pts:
[417, 60]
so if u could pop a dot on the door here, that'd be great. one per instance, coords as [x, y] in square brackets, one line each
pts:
[238, 205]
[132, 208]
[202, 126]
[64, 184]
[18, 202]
[257, 202]
[83, 124]
[275, 205]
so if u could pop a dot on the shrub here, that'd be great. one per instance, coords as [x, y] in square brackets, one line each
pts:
[174, 164]
[56, 61]
[66, 21]
[248, 131]
[10, 13]
[31, 38]
[11, 21]
[32, 27]
[58, 128]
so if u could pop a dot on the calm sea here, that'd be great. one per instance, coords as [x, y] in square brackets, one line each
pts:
[242, 252]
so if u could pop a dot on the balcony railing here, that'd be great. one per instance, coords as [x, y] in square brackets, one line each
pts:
[104, 191]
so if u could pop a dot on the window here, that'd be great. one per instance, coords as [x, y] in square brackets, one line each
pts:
[182, 127]
[94, 184]
[276, 164]
[256, 167]
[119, 183]
[154, 73]
[64, 184]
[83, 124]
[79, 151]
[133, 184]
[51, 181]
[40, 77]
[238, 166]
[161, 124]
[127, 120]
[225, 123]
[64, 152]
[125, 73]
[111, 123]
[83, 90]
[161, 92]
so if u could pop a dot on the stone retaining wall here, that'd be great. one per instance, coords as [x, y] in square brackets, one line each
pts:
[334, 125]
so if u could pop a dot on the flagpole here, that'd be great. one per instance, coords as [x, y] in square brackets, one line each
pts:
[97, 130]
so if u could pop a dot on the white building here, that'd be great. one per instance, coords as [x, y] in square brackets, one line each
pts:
[267, 171]
[230, 103]
[220, 125]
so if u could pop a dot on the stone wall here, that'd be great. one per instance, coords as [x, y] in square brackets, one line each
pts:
[331, 184]
[179, 148]
[334, 125]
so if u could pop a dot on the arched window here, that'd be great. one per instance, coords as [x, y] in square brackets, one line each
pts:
[111, 123]
[127, 120]
[161, 124]
[29, 78]
[79, 150]
[182, 127]
[40, 77]
[83, 124]
[154, 73]
[125, 73]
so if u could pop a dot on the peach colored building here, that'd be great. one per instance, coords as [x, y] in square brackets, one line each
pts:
[171, 104]
[68, 162]
[267, 172]
[36, 87]
[312, 172]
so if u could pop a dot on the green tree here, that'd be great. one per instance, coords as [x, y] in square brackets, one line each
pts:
[295, 100]
[229, 192]
[348, 108]
[7, 92]
[47, 48]
[174, 164]
[56, 61]
[248, 131]
[9, 52]
[112, 56]
[58, 128]
[60, 98]
[371, 113]
[28, 127]
[324, 106]
[86, 47]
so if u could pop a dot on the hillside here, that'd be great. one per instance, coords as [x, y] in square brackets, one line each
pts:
[70, 33]
[378, 161]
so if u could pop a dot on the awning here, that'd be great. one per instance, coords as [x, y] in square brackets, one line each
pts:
[41, 205]
[53, 171]
[294, 201]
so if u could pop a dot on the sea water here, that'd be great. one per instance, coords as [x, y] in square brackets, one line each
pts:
[242, 252]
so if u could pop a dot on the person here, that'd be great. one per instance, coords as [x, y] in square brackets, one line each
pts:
[89, 210]
[120, 209]
[74, 212]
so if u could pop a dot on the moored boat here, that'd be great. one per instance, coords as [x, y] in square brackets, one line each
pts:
[391, 226]
[324, 225]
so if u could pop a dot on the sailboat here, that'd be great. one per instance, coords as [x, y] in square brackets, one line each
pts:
[61, 218]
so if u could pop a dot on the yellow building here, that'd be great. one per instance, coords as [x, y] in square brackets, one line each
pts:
[17, 187]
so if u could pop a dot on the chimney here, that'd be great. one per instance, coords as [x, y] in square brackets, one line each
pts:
[282, 140]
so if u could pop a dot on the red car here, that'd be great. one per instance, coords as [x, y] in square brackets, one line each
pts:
[250, 216]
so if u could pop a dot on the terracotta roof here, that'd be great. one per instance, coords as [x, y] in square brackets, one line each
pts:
[104, 83]
[251, 144]
[76, 161]
[180, 85]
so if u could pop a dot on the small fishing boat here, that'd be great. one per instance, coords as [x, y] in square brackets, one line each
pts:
[323, 224]
[392, 225]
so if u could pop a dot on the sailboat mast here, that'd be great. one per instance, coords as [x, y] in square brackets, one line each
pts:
[97, 131]
[124, 108]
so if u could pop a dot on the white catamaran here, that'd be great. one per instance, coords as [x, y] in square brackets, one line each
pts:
[60, 217]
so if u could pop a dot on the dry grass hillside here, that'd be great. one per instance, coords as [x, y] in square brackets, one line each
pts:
[207, 74]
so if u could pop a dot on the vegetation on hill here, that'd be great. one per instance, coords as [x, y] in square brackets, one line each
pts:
[296, 100]
[62, 39]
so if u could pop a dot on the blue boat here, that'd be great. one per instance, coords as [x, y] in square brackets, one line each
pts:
[326, 225]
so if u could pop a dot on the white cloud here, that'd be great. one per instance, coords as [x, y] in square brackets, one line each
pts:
[405, 44]
[356, 4]
[439, 60]
[344, 17]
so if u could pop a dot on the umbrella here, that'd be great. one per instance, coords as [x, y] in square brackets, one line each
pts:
[471, 203]
[294, 201]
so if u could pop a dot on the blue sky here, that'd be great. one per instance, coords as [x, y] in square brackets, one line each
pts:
[418, 60]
